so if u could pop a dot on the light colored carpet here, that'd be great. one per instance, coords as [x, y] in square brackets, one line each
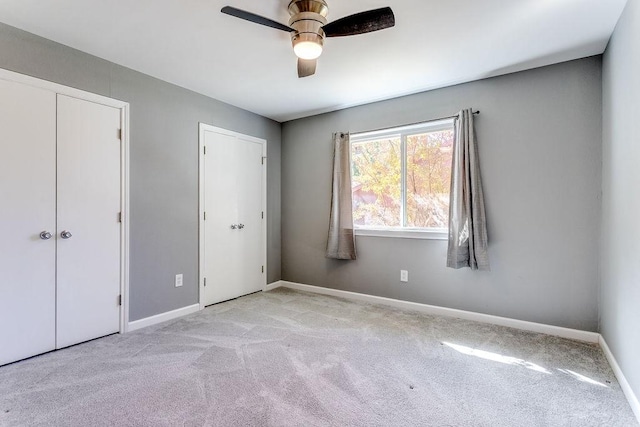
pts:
[287, 358]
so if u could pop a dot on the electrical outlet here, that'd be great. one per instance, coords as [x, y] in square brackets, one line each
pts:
[178, 280]
[404, 276]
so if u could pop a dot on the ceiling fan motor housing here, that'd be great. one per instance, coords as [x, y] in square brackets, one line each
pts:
[307, 18]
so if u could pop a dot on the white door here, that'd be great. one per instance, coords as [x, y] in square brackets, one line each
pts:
[249, 174]
[27, 209]
[88, 275]
[233, 250]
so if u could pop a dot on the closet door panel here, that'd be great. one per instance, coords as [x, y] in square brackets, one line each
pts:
[222, 245]
[27, 208]
[233, 228]
[250, 209]
[88, 275]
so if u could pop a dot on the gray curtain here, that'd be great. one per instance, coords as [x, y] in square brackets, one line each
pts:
[467, 221]
[341, 243]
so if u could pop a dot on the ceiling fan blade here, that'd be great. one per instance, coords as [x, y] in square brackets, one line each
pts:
[306, 67]
[360, 23]
[252, 17]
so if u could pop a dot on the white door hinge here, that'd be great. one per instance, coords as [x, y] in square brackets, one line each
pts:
[120, 134]
[263, 268]
[205, 150]
[119, 299]
[205, 281]
[119, 216]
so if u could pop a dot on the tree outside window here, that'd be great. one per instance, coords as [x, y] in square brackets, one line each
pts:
[401, 177]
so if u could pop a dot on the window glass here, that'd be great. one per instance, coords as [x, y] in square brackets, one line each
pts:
[428, 179]
[376, 182]
[401, 177]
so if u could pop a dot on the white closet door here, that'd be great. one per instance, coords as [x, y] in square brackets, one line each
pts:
[27, 208]
[250, 215]
[232, 198]
[88, 276]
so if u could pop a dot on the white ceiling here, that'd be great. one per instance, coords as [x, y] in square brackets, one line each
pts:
[435, 43]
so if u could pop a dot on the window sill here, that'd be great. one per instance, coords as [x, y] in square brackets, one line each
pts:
[403, 233]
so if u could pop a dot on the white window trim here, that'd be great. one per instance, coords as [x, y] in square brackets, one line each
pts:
[402, 232]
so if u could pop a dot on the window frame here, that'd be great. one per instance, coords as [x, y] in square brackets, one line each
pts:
[402, 132]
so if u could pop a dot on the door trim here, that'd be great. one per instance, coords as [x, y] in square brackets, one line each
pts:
[202, 127]
[124, 169]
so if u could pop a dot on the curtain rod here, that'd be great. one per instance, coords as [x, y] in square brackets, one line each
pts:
[416, 123]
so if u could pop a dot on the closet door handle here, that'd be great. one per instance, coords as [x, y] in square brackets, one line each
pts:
[45, 235]
[233, 226]
[66, 234]
[240, 226]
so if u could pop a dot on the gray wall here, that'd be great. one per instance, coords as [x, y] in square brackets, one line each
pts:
[164, 163]
[540, 151]
[620, 292]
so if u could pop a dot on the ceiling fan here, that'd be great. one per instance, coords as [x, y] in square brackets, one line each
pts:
[308, 27]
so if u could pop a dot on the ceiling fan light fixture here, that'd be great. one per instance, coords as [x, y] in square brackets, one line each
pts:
[308, 27]
[307, 46]
[307, 50]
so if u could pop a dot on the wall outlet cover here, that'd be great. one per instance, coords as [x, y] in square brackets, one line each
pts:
[178, 282]
[404, 276]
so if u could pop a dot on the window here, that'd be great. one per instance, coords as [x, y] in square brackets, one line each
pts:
[401, 179]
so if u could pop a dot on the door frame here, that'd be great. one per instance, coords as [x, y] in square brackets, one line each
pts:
[124, 169]
[202, 128]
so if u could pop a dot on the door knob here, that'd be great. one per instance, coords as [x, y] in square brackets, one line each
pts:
[66, 234]
[233, 226]
[45, 235]
[240, 226]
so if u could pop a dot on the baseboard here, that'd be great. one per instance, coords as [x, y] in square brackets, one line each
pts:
[622, 380]
[274, 285]
[162, 317]
[574, 334]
